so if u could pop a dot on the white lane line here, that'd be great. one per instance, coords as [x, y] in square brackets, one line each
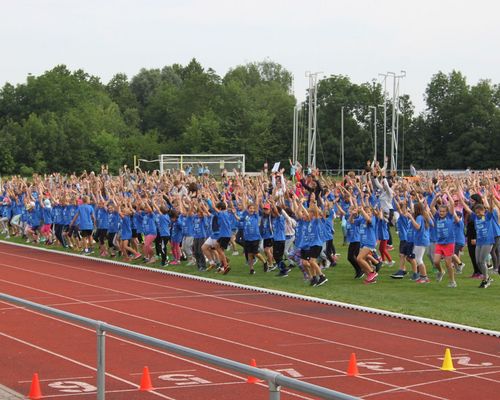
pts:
[358, 360]
[68, 266]
[164, 372]
[218, 315]
[53, 353]
[442, 355]
[72, 378]
[155, 350]
[230, 341]
[455, 378]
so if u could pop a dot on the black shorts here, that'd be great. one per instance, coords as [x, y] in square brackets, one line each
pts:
[101, 235]
[73, 231]
[315, 251]
[406, 249]
[134, 233]
[304, 254]
[86, 233]
[252, 246]
[268, 242]
[224, 242]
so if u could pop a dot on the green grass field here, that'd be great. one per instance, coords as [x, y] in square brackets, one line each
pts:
[466, 304]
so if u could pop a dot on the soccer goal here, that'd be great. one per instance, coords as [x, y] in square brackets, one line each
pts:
[200, 164]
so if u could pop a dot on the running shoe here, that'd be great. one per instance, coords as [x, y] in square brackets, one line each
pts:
[371, 276]
[272, 268]
[378, 266]
[460, 268]
[452, 284]
[423, 279]
[399, 274]
[359, 275]
[314, 281]
[252, 272]
[322, 279]
[175, 262]
[485, 283]
[283, 273]
[226, 270]
[440, 275]
[415, 276]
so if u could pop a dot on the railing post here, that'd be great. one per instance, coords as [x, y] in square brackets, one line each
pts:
[274, 391]
[101, 365]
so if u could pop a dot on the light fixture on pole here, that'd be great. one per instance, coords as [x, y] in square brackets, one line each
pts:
[342, 139]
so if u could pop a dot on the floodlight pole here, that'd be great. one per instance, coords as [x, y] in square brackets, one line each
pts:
[385, 114]
[342, 138]
[374, 133]
[295, 134]
[312, 118]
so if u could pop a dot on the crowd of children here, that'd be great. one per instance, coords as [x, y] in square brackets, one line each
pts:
[278, 221]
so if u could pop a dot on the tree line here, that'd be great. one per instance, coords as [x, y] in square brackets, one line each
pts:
[64, 121]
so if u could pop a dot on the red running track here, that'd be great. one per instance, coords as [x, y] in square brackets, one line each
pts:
[397, 359]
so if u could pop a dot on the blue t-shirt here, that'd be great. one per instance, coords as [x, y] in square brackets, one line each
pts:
[382, 229]
[225, 220]
[200, 225]
[251, 229]
[102, 218]
[164, 225]
[484, 229]
[85, 212]
[422, 236]
[113, 222]
[279, 228]
[176, 231]
[352, 232]
[444, 227]
[126, 228]
[403, 226]
[458, 228]
[148, 224]
[266, 227]
[367, 231]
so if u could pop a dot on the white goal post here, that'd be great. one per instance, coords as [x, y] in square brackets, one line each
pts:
[212, 164]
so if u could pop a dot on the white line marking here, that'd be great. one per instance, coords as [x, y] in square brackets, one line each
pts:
[339, 304]
[78, 363]
[442, 355]
[222, 339]
[358, 359]
[60, 379]
[155, 350]
[164, 372]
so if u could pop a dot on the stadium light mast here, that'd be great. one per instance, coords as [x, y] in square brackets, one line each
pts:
[312, 118]
[374, 133]
[295, 135]
[394, 133]
[385, 114]
[342, 139]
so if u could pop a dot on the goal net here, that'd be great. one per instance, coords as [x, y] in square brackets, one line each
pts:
[200, 164]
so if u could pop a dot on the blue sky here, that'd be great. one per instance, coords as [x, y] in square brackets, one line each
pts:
[358, 38]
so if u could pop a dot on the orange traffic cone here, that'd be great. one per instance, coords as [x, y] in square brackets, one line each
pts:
[352, 369]
[252, 379]
[146, 380]
[35, 392]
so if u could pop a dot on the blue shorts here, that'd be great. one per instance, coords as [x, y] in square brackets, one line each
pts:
[406, 248]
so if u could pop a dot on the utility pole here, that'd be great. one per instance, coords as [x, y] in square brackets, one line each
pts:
[374, 133]
[312, 118]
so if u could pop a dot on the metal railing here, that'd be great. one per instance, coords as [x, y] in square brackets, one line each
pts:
[274, 379]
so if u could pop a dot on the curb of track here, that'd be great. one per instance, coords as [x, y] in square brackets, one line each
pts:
[370, 310]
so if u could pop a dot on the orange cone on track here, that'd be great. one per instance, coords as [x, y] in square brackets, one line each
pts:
[252, 379]
[146, 380]
[352, 369]
[35, 392]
